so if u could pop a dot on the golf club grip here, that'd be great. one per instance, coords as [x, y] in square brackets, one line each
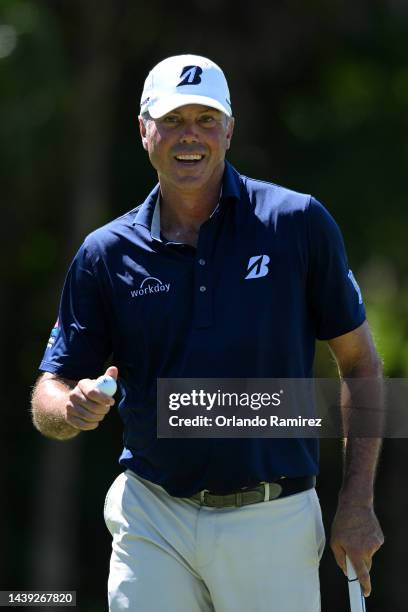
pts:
[357, 600]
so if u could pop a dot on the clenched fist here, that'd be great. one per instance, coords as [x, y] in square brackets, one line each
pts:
[87, 406]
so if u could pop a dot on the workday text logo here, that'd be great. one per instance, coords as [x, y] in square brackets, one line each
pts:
[258, 266]
[150, 285]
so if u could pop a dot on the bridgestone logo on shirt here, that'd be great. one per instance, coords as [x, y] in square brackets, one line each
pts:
[150, 285]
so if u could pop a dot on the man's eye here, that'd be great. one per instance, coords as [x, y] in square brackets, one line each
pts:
[207, 119]
[170, 119]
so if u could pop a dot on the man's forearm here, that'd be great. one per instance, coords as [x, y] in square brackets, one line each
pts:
[49, 400]
[360, 463]
[363, 416]
[356, 532]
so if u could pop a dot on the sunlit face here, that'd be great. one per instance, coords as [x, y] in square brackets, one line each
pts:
[187, 146]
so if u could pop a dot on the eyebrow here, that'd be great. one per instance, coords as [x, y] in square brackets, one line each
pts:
[205, 110]
[210, 108]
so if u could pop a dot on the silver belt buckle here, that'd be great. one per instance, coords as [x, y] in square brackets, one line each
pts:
[202, 496]
[266, 495]
[272, 490]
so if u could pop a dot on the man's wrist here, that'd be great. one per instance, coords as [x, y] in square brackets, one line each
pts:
[354, 496]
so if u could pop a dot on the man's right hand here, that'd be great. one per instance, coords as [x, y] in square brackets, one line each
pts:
[87, 406]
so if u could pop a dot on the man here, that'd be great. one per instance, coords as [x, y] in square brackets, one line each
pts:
[214, 275]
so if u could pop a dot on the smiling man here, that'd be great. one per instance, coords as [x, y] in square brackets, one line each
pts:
[214, 275]
[187, 147]
[186, 128]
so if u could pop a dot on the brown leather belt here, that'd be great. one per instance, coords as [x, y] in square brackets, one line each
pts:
[265, 491]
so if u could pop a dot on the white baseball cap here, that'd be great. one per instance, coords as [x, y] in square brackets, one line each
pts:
[185, 79]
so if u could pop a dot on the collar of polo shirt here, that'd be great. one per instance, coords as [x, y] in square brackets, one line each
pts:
[155, 229]
[144, 213]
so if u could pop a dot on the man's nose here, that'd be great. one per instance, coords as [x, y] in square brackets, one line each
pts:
[189, 134]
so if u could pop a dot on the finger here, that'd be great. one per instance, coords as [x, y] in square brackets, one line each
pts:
[98, 396]
[84, 413]
[87, 411]
[340, 557]
[97, 407]
[112, 371]
[80, 424]
[365, 582]
[362, 573]
[380, 541]
[87, 395]
[79, 405]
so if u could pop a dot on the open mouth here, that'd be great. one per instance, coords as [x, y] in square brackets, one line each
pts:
[189, 159]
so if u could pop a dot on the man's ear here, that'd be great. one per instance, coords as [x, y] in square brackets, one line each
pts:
[142, 129]
[230, 131]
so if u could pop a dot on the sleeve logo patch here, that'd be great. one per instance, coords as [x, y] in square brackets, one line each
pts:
[53, 335]
[356, 287]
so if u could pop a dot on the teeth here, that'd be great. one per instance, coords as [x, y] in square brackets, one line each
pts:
[189, 157]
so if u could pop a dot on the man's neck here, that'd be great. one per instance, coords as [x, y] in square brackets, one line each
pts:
[182, 212]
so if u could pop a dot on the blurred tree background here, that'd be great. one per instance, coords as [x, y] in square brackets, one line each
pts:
[320, 94]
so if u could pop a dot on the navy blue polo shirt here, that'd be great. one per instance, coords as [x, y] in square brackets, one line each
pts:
[269, 276]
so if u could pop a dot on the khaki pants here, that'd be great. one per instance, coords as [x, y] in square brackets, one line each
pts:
[173, 555]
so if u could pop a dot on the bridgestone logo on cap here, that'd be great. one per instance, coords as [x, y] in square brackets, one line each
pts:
[191, 75]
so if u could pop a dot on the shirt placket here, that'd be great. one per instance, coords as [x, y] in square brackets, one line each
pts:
[203, 285]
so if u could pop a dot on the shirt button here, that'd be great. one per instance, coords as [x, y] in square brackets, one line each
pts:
[201, 262]
[203, 288]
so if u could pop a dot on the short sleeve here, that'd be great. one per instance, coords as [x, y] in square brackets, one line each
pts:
[334, 296]
[80, 342]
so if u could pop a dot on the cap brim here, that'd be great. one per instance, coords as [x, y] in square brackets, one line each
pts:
[165, 105]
